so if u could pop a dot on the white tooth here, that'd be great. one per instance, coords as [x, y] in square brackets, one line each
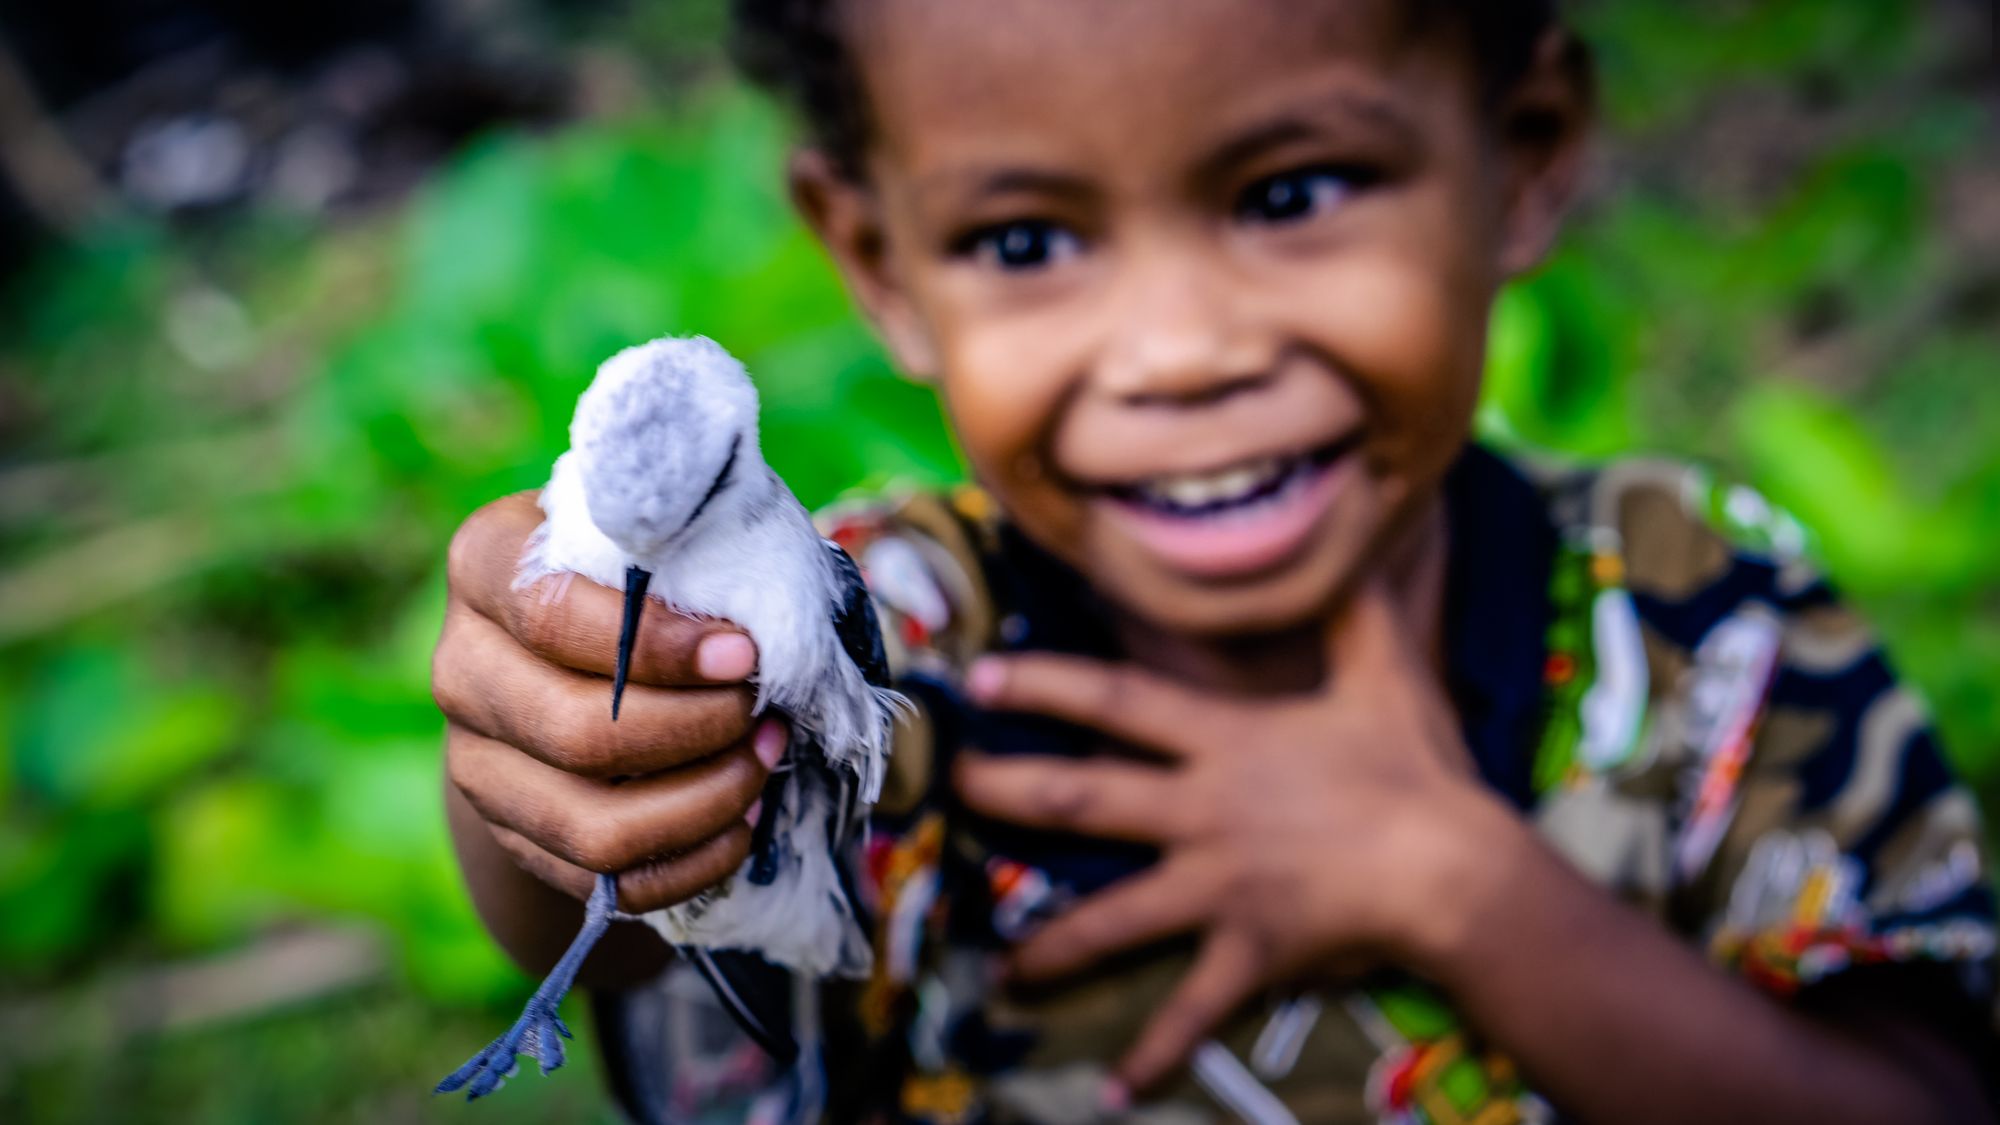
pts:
[1191, 490]
[1238, 483]
[1188, 492]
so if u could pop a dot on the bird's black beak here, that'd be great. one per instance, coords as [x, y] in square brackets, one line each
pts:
[636, 580]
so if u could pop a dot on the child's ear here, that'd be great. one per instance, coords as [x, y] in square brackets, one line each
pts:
[847, 218]
[1546, 121]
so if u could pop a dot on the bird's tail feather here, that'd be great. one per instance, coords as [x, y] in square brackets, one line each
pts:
[757, 994]
[801, 917]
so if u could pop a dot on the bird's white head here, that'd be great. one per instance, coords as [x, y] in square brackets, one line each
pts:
[664, 432]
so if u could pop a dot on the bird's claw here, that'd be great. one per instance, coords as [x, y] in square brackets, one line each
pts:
[539, 1032]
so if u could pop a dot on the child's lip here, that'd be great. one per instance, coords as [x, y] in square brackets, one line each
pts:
[1236, 544]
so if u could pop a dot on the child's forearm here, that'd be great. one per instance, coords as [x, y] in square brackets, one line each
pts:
[1616, 1021]
[532, 921]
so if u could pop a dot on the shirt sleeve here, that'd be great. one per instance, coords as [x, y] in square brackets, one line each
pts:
[1852, 844]
[1821, 833]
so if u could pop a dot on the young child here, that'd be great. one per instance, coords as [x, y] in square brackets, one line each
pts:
[1280, 756]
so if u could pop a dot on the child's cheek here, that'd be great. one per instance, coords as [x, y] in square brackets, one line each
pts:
[1004, 386]
[1001, 391]
[1409, 336]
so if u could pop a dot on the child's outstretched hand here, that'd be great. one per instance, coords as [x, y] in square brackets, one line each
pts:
[1302, 836]
[661, 795]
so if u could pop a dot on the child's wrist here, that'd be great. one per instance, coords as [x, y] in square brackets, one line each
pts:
[1463, 863]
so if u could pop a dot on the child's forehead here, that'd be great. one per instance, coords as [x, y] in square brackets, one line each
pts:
[967, 75]
[1180, 30]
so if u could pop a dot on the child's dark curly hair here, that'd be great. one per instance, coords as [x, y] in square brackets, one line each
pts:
[793, 49]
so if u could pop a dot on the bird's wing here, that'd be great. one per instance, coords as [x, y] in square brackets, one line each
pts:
[860, 633]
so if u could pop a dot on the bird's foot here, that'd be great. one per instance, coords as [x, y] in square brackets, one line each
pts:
[539, 1032]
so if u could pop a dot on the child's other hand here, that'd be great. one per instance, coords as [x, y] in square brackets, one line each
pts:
[660, 796]
[1303, 836]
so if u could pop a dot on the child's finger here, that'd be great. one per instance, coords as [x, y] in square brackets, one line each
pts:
[573, 622]
[1223, 977]
[649, 886]
[1108, 799]
[1143, 908]
[484, 681]
[531, 857]
[664, 882]
[1118, 699]
[597, 825]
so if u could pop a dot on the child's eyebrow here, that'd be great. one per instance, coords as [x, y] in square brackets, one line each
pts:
[1315, 120]
[1332, 114]
[973, 184]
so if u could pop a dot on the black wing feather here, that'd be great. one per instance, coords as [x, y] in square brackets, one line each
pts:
[860, 633]
[754, 991]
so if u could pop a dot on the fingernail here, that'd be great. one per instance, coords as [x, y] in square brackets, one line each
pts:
[725, 657]
[1113, 1097]
[769, 743]
[756, 810]
[984, 679]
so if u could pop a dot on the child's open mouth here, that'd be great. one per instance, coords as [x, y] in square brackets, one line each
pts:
[1234, 521]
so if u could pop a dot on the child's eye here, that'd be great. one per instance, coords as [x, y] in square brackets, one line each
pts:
[1289, 197]
[1027, 244]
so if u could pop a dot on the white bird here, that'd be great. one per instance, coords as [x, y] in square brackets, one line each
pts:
[664, 492]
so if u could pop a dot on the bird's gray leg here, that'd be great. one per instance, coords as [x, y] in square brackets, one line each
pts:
[540, 1031]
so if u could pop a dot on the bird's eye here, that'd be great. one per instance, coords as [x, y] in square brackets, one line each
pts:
[1022, 245]
[1295, 196]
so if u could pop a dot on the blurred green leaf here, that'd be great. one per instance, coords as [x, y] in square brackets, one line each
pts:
[226, 859]
[98, 731]
[56, 885]
[1817, 461]
[1559, 359]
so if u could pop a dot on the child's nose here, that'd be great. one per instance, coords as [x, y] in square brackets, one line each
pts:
[1178, 336]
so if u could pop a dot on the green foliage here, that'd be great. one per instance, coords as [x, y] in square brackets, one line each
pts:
[357, 1060]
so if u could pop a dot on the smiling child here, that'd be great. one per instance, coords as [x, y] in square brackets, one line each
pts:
[1280, 755]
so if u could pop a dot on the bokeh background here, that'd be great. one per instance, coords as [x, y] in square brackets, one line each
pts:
[291, 288]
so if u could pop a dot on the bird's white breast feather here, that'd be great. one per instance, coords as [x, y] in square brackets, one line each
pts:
[752, 557]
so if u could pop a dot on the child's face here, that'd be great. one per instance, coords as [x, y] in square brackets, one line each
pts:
[1204, 283]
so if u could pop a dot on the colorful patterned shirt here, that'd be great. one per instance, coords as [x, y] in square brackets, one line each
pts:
[1642, 665]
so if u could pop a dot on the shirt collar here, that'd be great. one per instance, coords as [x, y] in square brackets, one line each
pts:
[1497, 611]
